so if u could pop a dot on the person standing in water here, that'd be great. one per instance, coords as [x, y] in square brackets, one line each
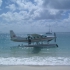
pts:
[29, 40]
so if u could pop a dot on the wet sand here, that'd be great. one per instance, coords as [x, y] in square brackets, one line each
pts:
[23, 67]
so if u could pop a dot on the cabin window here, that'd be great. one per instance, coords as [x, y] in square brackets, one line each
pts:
[37, 37]
[42, 36]
[34, 37]
[45, 36]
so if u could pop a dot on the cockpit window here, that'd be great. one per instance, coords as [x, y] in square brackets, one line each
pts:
[31, 37]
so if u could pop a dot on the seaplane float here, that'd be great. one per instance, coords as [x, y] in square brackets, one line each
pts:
[35, 40]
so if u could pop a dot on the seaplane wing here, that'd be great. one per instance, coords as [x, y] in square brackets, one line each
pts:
[31, 38]
[35, 36]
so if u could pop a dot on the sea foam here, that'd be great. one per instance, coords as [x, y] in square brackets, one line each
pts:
[35, 61]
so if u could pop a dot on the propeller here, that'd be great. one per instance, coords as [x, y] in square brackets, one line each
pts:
[55, 36]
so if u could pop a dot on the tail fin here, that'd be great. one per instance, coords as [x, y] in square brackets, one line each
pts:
[12, 34]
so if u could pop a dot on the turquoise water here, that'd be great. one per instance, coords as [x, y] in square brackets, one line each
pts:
[11, 54]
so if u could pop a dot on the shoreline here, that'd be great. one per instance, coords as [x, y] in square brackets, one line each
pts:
[34, 67]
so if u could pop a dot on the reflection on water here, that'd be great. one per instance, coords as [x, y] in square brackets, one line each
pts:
[31, 52]
[36, 50]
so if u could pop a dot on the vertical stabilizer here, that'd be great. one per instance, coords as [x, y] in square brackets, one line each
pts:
[12, 34]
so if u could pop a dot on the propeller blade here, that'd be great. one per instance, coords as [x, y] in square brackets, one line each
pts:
[55, 37]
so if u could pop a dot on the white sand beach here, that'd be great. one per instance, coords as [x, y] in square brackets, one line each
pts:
[34, 67]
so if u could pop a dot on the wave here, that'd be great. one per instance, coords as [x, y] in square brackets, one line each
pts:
[35, 61]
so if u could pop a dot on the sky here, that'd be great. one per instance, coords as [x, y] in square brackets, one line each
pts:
[34, 15]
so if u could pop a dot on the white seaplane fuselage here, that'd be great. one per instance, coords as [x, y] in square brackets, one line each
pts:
[33, 38]
[21, 39]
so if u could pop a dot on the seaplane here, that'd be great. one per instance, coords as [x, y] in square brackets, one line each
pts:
[35, 40]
